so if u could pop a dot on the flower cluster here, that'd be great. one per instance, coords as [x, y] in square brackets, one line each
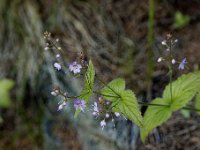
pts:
[101, 108]
[169, 44]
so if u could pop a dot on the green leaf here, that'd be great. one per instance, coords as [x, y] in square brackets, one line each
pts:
[183, 90]
[185, 113]
[113, 90]
[89, 76]
[123, 101]
[180, 20]
[128, 106]
[197, 102]
[87, 91]
[154, 116]
[5, 87]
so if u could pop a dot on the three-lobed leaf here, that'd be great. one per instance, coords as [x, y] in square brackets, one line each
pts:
[123, 101]
[128, 106]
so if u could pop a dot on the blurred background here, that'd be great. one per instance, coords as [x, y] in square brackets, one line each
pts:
[123, 38]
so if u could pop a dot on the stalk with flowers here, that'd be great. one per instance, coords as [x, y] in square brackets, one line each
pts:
[115, 100]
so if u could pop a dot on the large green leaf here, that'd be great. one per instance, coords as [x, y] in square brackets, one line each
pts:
[183, 90]
[154, 116]
[128, 106]
[5, 87]
[87, 91]
[113, 89]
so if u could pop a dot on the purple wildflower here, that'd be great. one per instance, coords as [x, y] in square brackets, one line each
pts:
[79, 104]
[95, 109]
[182, 64]
[62, 105]
[75, 67]
[57, 66]
[103, 124]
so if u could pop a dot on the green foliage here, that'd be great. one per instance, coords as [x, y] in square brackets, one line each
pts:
[113, 90]
[183, 90]
[123, 101]
[180, 20]
[197, 102]
[185, 113]
[89, 81]
[154, 116]
[5, 86]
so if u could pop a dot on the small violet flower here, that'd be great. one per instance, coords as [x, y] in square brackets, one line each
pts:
[61, 106]
[95, 109]
[79, 104]
[182, 64]
[103, 124]
[57, 66]
[75, 67]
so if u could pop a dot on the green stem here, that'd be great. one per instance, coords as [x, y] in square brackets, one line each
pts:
[170, 78]
[150, 65]
[166, 105]
[170, 68]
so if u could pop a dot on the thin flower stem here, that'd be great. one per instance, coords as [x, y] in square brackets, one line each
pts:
[170, 67]
[170, 78]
